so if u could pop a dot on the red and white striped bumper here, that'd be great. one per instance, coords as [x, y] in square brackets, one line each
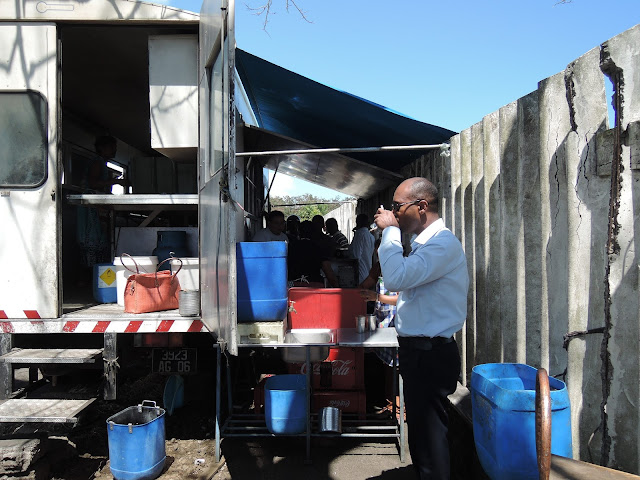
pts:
[32, 323]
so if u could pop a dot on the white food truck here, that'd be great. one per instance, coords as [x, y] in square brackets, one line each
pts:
[191, 148]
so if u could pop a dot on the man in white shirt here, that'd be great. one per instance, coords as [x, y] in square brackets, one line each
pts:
[433, 282]
[275, 229]
[361, 246]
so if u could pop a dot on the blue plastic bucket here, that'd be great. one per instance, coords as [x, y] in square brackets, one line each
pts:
[503, 407]
[136, 442]
[262, 281]
[285, 403]
[104, 283]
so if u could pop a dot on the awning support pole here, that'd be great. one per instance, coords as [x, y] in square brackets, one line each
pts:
[343, 150]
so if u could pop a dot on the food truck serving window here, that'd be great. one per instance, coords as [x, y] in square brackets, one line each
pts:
[23, 139]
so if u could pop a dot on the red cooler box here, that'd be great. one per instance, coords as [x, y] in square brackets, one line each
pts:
[347, 369]
[325, 307]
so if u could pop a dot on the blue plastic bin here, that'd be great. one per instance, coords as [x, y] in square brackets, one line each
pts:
[136, 442]
[503, 406]
[285, 404]
[262, 281]
[173, 396]
[104, 283]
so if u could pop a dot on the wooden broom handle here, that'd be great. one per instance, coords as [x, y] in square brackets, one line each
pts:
[543, 424]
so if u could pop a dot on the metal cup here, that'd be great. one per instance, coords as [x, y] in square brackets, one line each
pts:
[361, 323]
[330, 420]
[372, 322]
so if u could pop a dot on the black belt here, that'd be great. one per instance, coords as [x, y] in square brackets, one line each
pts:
[423, 343]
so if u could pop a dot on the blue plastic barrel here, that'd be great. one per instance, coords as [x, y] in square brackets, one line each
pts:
[285, 403]
[136, 442]
[104, 283]
[503, 407]
[262, 281]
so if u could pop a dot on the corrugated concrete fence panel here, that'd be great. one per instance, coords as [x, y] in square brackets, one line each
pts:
[478, 218]
[456, 225]
[623, 402]
[588, 201]
[491, 154]
[511, 305]
[554, 125]
[467, 240]
[529, 197]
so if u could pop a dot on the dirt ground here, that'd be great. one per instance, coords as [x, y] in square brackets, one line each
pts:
[82, 452]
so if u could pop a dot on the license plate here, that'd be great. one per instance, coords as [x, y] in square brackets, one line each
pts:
[174, 360]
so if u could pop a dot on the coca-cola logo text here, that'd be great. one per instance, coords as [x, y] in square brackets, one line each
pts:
[338, 367]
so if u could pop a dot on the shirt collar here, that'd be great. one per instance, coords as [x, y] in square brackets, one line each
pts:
[428, 232]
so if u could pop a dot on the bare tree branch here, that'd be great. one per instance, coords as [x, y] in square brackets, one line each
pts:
[266, 10]
[300, 11]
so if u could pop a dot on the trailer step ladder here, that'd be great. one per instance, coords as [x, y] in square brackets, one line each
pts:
[37, 410]
[34, 410]
[45, 356]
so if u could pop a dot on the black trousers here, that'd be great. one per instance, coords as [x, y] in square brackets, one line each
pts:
[429, 376]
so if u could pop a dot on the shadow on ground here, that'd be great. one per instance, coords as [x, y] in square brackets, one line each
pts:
[331, 458]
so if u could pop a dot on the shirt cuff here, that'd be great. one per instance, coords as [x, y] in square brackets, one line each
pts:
[390, 234]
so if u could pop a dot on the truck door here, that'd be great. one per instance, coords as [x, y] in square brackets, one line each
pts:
[29, 196]
[218, 182]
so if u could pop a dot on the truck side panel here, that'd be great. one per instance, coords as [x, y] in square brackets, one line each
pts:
[29, 196]
[220, 184]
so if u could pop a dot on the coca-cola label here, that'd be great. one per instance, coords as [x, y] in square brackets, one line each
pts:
[338, 367]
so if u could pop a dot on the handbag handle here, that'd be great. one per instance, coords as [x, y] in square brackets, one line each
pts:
[137, 270]
[166, 260]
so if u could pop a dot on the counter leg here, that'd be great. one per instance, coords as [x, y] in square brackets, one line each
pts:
[308, 360]
[229, 389]
[394, 384]
[401, 395]
[218, 386]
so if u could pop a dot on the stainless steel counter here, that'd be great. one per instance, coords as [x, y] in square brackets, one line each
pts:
[379, 338]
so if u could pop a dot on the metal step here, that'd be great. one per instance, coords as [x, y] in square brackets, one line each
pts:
[31, 410]
[42, 356]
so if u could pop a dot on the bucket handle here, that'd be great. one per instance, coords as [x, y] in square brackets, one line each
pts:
[149, 403]
[111, 424]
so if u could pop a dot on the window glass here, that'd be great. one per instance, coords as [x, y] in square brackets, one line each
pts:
[23, 139]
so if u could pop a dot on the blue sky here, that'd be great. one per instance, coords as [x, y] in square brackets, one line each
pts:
[448, 63]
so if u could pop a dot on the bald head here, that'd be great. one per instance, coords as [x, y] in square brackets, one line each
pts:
[421, 188]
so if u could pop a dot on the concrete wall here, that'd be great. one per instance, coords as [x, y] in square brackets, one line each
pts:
[345, 215]
[545, 198]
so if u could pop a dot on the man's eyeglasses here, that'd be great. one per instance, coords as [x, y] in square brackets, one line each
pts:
[395, 206]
